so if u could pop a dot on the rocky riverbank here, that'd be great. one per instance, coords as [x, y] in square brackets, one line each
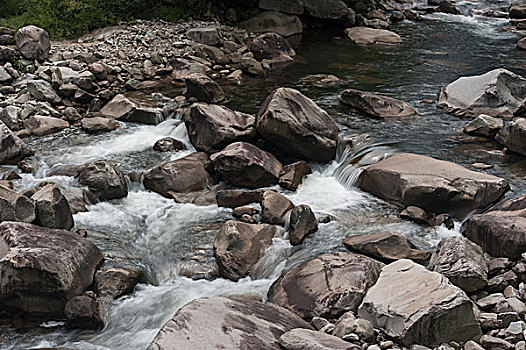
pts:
[374, 292]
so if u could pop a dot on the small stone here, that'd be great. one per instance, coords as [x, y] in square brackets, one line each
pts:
[351, 337]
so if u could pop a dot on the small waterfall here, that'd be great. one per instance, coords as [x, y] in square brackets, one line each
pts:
[356, 152]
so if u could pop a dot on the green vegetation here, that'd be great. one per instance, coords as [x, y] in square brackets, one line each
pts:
[72, 18]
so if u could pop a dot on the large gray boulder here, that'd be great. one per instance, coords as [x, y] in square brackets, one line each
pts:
[42, 269]
[275, 22]
[500, 233]
[41, 125]
[386, 247]
[294, 7]
[327, 286]
[498, 93]
[238, 246]
[33, 43]
[297, 125]
[244, 164]
[12, 148]
[305, 339]
[435, 185]
[368, 36]
[15, 206]
[222, 323]
[53, 209]
[188, 174]
[462, 262]
[326, 9]
[213, 127]
[513, 136]
[104, 179]
[376, 105]
[484, 125]
[416, 306]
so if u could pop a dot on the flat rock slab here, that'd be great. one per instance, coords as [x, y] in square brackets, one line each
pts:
[437, 186]
[43, 268]
[327, 286]
[498, 93]
[376, 105]
[368, 36]
[222, 323]
[416, 306]
[387, 247]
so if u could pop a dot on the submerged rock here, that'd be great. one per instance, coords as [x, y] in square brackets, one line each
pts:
[434, 185]
[368, 36]
[244, 164]
[42, 269]
[222, 323]
[238, 247]
[297, 125]
[184, 175]
[212, 127]
[376, 105]
[327, 286]
[387, 247]
[498, 93]
[421, 307]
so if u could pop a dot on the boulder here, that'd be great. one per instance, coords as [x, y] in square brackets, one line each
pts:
[117, 281]
[223, 323]
[15, 206]
[123, 108]
[10, 116]
[119, 107]
[376, 105]
[498, 93]
[349, 323]
[434, 185]
[98, 125]
[238, 246]
[295, 124]
[386, 247]
[462, 262]
[415, 306]
[43, 268]
[184, 175]
[43, 91]
[41, 125]
[327, 286]
[33, 43]
[513, 136]
[368, 36]
[52, 208]
[213, 127]
[275, 22]
[83, 312]
[484, 125]
[237, 198]
[203, 88]
[104, 179]
[302, 224]
[250, 65]
[292, 175]
[415, 214]
[271, 45]
[328, 9]
[12, 148]
[517, 10]
[274, 207]
[306, 339]
[168, 144]
[204, 35]
[294, 7]
[244, 164]
[500, 233]
[5, 78]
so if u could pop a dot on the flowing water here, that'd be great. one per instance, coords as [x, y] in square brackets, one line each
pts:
[164, 238]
